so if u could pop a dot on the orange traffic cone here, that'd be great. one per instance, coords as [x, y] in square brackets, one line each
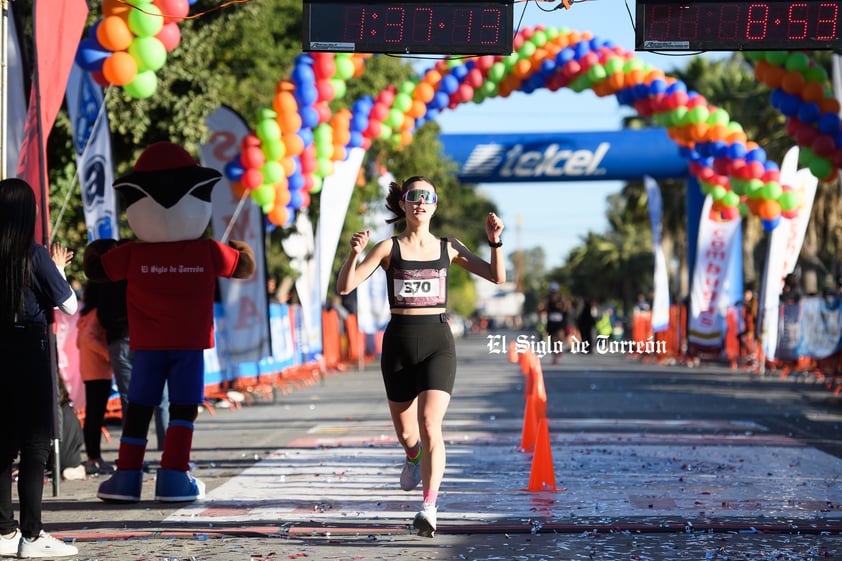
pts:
[542, 475]
[512, 352]
[530, 426]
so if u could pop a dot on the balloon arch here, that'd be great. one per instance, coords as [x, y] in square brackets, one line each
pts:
[295, 143]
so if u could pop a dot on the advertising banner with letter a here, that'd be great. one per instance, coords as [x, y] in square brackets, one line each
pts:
[244, 334]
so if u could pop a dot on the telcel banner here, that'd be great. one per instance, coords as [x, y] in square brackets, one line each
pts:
[596, 156]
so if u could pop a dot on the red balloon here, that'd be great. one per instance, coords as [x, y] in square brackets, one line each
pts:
[474, 78]
[249, 140]
[379, 112]
[325, 90]
[837, 159]
[386, 97]
[252, 179]
[323, 110]
[324, 68]
[824, 145]
[252, 158]
[465, 93]
[805, 135]
[772, 175]
[755, 170]
[484, 63]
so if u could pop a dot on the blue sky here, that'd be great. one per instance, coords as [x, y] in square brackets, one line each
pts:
[555, 216]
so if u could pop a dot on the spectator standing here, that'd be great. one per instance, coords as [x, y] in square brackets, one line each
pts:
[32, 283]
[97, 374]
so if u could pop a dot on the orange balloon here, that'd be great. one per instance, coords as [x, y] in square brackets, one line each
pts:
[408, 123]
[717, 132]
[616, 81]
[120, 68]
[279, 215]
[653, 75]
[522, 69]
[238, 189]
[698, 131]
[288, 164]
[424, 92]
[792, 82]
[418, 109]
[737, 136]
[751, 145]
[293, 143]
[290, 121]
[761, 67]
[284, 86]
[114, 34]
[339, 154]
[813, 91]
[774, 76]
[406, 138]
[768, 209]
[601, 89]
[432, 77]
[116, 8]
[573, 37]
[829, 105]
[634, 77]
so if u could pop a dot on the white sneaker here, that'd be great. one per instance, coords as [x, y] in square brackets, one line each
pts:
[410, 475]
[425, 521]
[77, 473]
[9, 545]
[45, 545]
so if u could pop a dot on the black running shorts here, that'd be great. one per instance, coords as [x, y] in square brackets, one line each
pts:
[418, 354]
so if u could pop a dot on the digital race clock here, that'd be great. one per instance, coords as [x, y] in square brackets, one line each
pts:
[430, 27]
[681, 25]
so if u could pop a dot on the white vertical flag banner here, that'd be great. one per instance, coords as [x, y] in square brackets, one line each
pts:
[713, 254]
[373, 311]
[15, 94]
[785, 243]
[661, 299]
[92, 145]
[245, 329]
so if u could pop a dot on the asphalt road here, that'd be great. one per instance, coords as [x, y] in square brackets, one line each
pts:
[650, 462]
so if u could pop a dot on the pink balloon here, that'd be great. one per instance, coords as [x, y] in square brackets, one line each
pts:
[170, 36]
[173, 10]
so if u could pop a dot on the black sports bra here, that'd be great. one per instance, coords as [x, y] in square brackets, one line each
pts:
[417, 284]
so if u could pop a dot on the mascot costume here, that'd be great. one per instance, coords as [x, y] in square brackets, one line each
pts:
[170, 276]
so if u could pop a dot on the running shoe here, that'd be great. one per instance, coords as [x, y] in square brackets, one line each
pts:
[425, 521]
[410, 475]
[44, 545]
[9, 545]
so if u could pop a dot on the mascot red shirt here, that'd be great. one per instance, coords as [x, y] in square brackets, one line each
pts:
[170, 275]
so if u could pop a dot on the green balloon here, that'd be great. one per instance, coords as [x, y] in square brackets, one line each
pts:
[596, 73]
[797, 62]
[632, 64]
[718, 192]
[264, 196]
[754, 188]
[268, 129]
[551, 33]
[497, 72]
[143, 85]
[778, 58]
[719, 117]
[395, 118]
[324, 167]
[402, 102]
[789, 200]
[510, 60]
[489, 88]
[272, 172]
[148, 52]
[699, 115]
[324, 148]
[739, 186]
[806, 156]
[772, 191]
[317, 185]
[273, 149]
[816, 74]
[385, 131]
[821, 167]
[147, 22]
[344, 67]
[614, 65]
[539, 38]
[526, 50]
[706, 187]
[681, 116]
[323, 133]
[731, 199]
[479, 96]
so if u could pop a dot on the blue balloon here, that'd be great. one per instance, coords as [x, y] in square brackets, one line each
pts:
[357, 137]
[459, 72]
[92, 31]
[234, 169]
[769, 165]
[309, 117]
[582, 48]
[306, 136]
[657, 86]
[267, 224]
[302, 74]
[640, 91]
[548, 67]
[441, 99]
[90, 55]
[565, 55]
[448, 84]
[719, 149]
[769, 225]
[595, 43]
[790, 104]
[359, 122]
[306, 94]
[808, 112]
[677, 86]
[295, 199]
[756, 155]
[295, 181]
[828, 123]
[737, 150]
[624, 96]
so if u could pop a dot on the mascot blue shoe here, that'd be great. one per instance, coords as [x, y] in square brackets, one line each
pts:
[174, 486]
[123, 486]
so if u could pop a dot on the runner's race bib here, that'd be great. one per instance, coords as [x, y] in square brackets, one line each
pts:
[421, 288]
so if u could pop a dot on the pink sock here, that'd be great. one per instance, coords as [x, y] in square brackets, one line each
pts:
[430, 497]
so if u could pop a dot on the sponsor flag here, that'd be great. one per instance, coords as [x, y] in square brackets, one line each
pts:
[245, 327]
[92, 144]
[58, 24]
[15, 94]
[661, 300]
[714, 247]
[373, 311]
[783, 250]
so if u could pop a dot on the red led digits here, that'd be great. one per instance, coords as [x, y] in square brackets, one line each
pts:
[422, 25]
[393, 25]
[728, 26]
[492, 20]
[756, 21]
[461, 26]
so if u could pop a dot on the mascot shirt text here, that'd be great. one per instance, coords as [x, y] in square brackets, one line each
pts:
[170, 290]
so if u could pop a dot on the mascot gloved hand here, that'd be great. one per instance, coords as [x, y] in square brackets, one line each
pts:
[171, 277]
